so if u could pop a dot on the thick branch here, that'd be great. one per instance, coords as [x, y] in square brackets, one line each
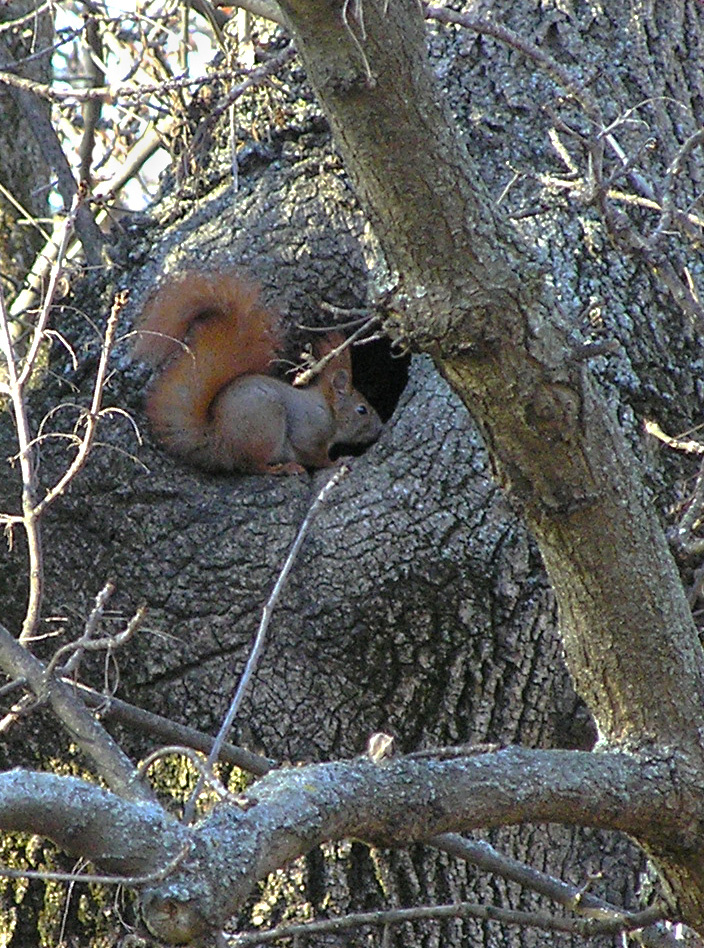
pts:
[114, 834]
[292, 810]
[472, 294]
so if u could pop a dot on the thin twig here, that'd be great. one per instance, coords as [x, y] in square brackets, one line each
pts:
[307, 375]
[28, 217]
[32, 507]
[559, 73]
[483, 855]
[682, 535]
[132, 881]
[269, 608]
[358, 13]
[36, 278]
[93, 414]
[31, 524]
[258, 646]
[689, 446]
[27, 18]
[55, 275]
[623, 922]
[12, 686]
[206, 775]
[593, 187]
[255, 78]
[21, 708]
[669, 212]
[110, 760]
[87, 642]
[128, 90]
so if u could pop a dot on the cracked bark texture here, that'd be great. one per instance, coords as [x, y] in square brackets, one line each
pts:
[418, 604]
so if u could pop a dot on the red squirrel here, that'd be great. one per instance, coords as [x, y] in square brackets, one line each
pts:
[215, 402]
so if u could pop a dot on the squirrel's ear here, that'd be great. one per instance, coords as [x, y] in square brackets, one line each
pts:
[341, 381]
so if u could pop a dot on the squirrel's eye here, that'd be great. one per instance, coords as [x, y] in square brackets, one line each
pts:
[361, 409]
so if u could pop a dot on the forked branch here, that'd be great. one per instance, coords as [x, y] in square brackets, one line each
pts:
[395, 803]
[110, 761]
[288, 812]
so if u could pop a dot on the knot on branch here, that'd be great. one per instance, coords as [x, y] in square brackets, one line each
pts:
[174, 920]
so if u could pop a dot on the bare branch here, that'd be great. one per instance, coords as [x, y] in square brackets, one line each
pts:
[556, 70]
[623, 922]
[125, 90]
[45, 134]
[39, 329]
[18, 377]
[25, 212]
[131, 838]
[682, 535]
[141, 151]
[307, 376]
[111, 762]
[88, 641]
[290, 811]
[8, 25]
[255, 78]
[669, 211]
[679, 444]
[483, 855]
[93, 414]
[405, 800]
[269, 608]
[171, 732]
[90, 877]
[46, 261]
[94, 70]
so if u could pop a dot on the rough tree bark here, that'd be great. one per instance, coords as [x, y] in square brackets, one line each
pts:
[419, 605]
[475, 295]
[24, 173]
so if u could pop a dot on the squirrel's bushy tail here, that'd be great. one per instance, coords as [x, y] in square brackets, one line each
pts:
[204, 329]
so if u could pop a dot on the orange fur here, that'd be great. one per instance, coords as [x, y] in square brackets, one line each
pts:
[205, 329]
[214, 401]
